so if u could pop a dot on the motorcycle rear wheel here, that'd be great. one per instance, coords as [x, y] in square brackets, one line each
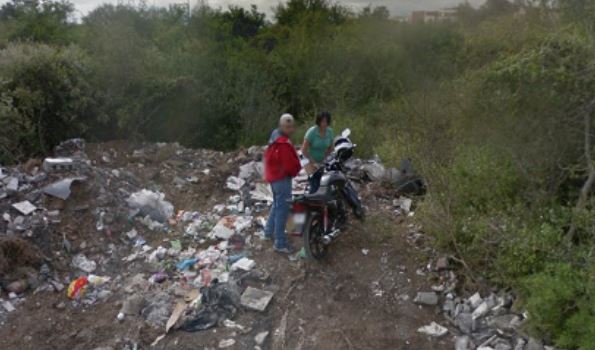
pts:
[313, 238]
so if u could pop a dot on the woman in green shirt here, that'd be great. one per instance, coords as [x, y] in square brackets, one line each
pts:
[318, 143]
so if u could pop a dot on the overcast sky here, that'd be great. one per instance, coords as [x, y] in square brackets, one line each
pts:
[396, 7]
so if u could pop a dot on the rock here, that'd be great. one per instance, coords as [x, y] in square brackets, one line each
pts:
[8, 306]
[461, 308]
[404, 203]
[132, 305]
[104, 294]
[534, 344]
[442, 264]
[433, 330]
[256, 299]
[374, 171]
[12, 185]
[475, 300]
[426, 298]
[481, 310]
[503, 346]
[243, 264]
[24, 207]
[520, 344]
[465, 322]
[462, 343]
[17, 287]
[449, 307]
[81, 262]
[58, 164]
[226, 343]
[261, 337]
[504, 322]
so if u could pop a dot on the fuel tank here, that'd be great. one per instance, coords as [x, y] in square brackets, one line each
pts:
[336, 178]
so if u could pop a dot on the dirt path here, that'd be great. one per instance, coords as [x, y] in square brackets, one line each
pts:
[360, 297]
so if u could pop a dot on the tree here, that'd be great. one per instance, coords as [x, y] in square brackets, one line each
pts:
[245, 24]
[41, 21]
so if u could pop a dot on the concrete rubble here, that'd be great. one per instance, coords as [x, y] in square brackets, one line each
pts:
[477, 322]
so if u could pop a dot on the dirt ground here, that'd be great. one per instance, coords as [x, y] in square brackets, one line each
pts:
[359, 297]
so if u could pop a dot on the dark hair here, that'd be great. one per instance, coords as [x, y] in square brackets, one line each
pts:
[323, 115]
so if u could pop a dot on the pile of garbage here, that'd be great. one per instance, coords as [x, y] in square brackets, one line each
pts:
[486, 322]
[202, 262]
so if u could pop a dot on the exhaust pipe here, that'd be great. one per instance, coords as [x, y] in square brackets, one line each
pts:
[329, 238]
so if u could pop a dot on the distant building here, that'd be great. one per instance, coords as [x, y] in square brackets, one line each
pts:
[432, 16]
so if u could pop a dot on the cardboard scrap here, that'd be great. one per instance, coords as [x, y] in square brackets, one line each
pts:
[175, 315]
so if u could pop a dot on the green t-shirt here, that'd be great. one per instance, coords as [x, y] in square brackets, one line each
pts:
[319, 144]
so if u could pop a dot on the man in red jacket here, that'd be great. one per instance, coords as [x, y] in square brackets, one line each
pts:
[281, 164]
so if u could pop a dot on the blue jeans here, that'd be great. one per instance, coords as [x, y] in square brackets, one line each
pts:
[279, 212]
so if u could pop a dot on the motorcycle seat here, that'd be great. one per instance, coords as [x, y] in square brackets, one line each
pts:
[318, 197]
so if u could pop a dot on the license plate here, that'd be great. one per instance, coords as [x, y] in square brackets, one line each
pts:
[299, 218]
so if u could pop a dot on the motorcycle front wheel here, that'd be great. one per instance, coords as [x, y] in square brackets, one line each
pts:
[313, 237]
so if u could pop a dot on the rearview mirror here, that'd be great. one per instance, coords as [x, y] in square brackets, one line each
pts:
[346, 133]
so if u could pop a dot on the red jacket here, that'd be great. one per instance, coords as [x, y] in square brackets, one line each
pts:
[280, 160]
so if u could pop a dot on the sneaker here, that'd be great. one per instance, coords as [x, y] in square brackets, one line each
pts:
[284, 250]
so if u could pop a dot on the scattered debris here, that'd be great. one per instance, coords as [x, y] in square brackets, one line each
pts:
[426, 298]
[152, 204]
[175, 315]
[433, 329]
[256, 299]
[58, 164]
[82, 263]
[261, 337]
[226, 343]
[61, 189]
[220, 302]
[243, 264]
[24, 207]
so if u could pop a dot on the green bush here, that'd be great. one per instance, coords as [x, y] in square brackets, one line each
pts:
[561, 304]
[45, 98]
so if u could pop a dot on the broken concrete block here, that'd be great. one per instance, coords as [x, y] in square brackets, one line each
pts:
[24, 207]
[58, 164]
[256, 299]
[133, 305]
[226, 343]
[261, 337]
[504, 322]
[502, 346]
[442, 264]
[534, 344]
[433, 330]
[404, 203]
[475, 300]
[61, 189]
[520, 344]
[374, 171]
[243, 264]
[8, 306]
[426, 298]
[481, 310]
[465, 322]
[12, 185]
[462, 343]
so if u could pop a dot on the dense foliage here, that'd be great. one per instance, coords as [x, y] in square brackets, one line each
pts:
[494, 107]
